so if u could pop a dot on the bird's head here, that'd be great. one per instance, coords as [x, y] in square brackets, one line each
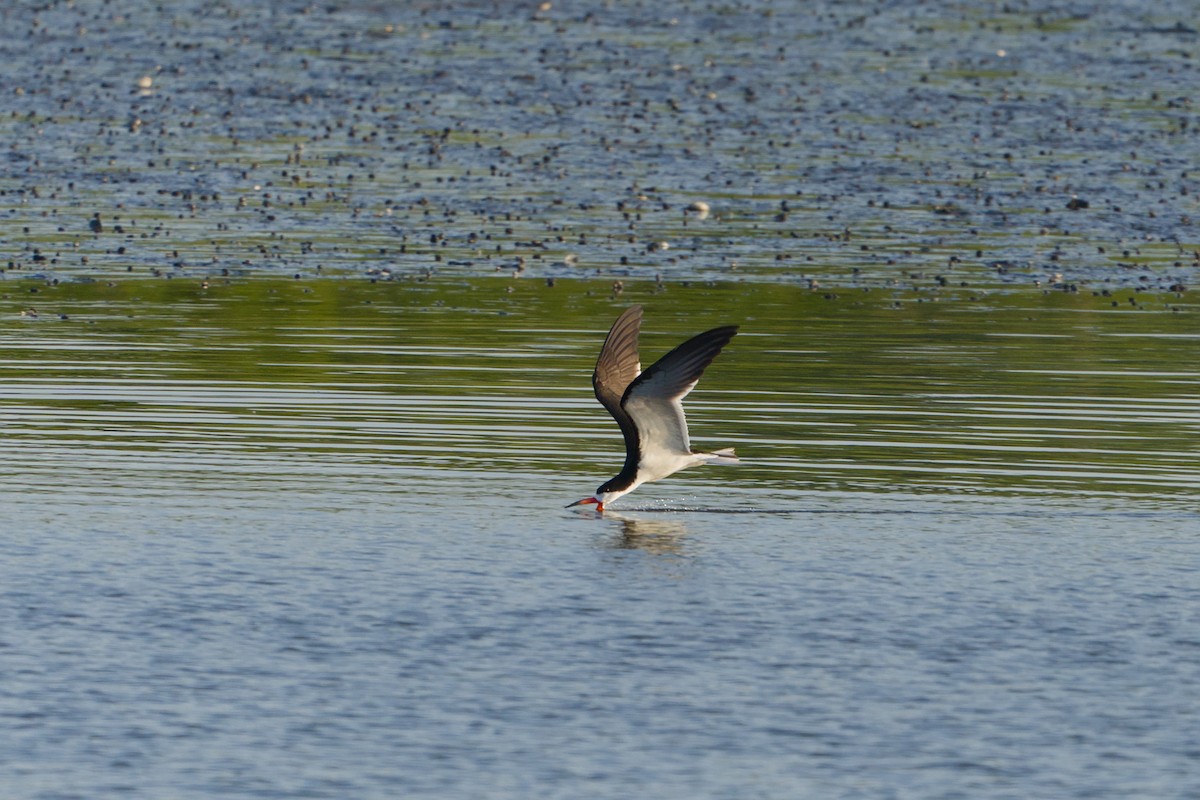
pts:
[603, 497]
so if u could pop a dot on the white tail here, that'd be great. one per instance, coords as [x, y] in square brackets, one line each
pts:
[723, 456]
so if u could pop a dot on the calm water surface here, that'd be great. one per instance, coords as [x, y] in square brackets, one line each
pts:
[281, 539]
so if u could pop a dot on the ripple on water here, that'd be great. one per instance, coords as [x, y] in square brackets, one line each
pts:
[884, 405]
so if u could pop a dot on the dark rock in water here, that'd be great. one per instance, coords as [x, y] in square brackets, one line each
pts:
[1077, 204]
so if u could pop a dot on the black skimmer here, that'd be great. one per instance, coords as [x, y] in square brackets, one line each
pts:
[647, 405]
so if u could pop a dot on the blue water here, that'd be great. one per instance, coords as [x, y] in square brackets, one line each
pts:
[386, 639]
[340, 566]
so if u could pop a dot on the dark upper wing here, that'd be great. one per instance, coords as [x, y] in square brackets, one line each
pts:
[674, 375]
[618, 364]
[652, 401]
[616, 368]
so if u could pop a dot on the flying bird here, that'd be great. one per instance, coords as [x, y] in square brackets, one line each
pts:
[647, 405]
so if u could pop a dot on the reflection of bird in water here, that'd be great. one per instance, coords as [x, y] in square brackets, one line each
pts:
[647, 405]
[656, 536]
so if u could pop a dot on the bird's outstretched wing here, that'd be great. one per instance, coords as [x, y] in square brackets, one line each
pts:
[653, 399]
[618, 367]
[618, 364]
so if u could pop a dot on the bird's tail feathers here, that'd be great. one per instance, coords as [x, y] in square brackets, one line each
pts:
[722, 456]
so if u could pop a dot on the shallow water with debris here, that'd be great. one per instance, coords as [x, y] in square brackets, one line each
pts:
[883, 143]
[297, 319]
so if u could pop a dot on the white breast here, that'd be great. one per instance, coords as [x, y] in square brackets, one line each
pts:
[658, 463]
